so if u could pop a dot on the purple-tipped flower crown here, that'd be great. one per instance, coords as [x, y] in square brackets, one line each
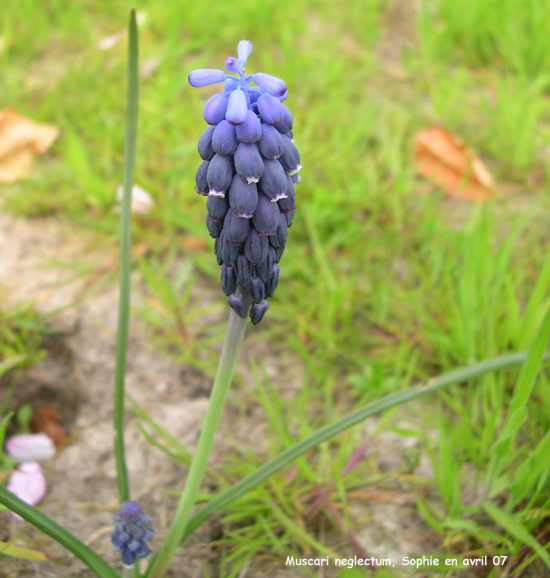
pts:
[249, 168]
[131, 532]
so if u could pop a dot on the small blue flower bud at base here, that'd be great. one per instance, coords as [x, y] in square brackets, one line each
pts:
[229, 279]
[205, 76]
[256, 247]
[258, 310]
[289, 134]
[248, 162]
[205, 144]
[280, 237]
[251, 129]
[229, 86]
[295, 178]
[286, 124]
[201, 179]
[217, 207]
[243, 269]
[214, 109]
[214, 227]
[265, 268]
[232, 64]
[256, 288]
[270, 84]
[266, 216]
[271, 145]
[243, 197]
[238, 304]
[132, 530]
[244, 48]
[224, 138]
[273, 181]
[220, 174]
[218, 250]
[270, 109]
[236, 228]
[237, 107]
[273, 281]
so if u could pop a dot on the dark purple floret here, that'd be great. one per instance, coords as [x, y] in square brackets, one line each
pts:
[201, 179]
[279, 239]
[266, 217]
[217, 207]
[249, 170]
[258, 311]
[220, 174]
[251, 129]
[265, 268]
[239, 305]
[230, 251]
[272, 283]
[243, 197]
[214, 227]
[270, 109]
[224, 138]
[236, 228]
[132, 531]
[218, 250]
[229, 279]
[290, 158]
[273, 181]
[256, 288]
[256, 247]
[285, 125]
[271, 145]
[214, 109]
[248, 162]
[244, 269]
[205, 144]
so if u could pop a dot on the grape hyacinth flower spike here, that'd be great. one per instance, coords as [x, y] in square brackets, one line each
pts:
[248, 172]
[131, 533]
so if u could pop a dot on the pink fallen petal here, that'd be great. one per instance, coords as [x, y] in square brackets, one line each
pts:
[28, 483]
[142, 202]
[30, 447]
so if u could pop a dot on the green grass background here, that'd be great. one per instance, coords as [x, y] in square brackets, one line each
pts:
[385, 281]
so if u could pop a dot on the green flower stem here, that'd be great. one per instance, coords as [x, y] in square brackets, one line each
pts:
[55, 531]
[129, 571]
[230, 353]
[451, 378]
[124, 300]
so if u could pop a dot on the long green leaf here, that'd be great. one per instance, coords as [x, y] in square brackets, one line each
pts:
[12, 362]
[298, 449]
[512, 525]
[59, 534]
[125, 241]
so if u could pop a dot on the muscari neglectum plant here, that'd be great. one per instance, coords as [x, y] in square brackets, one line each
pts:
[248, 173]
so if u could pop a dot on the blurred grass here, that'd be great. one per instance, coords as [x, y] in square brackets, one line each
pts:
[384, 281]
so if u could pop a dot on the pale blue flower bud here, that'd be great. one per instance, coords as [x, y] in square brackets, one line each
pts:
[273, 181]
[205, 76]
[214, 109]
[217, 207]
[224, 138]
[270, 109]
[251, 129]
[205, 144]
[244, 48]
[232, 64]
[271, 145]
[220, 174]
[266, 216]
[248, 162]
[243, 197]
[201, 179]
[237, 108]
[270, 84]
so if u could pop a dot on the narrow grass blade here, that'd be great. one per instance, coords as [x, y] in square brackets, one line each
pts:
[124, 299]
[18, 552]
[59, 534]
[12, 362]
[512, 525]
[298, 449]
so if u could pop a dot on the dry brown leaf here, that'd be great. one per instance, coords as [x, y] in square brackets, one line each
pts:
[444, 158]
[46, 420]
[21, 140]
